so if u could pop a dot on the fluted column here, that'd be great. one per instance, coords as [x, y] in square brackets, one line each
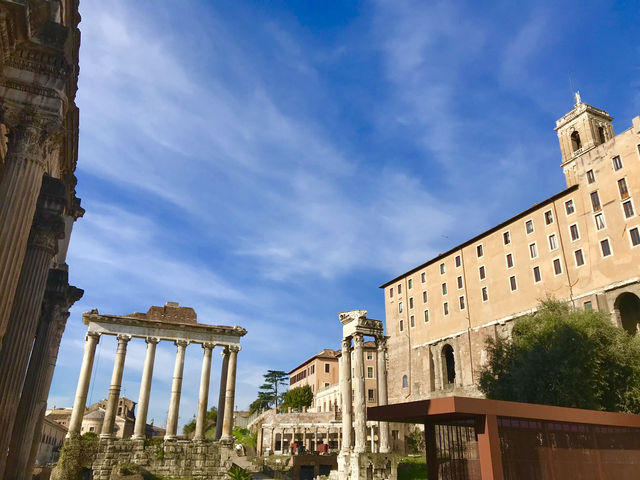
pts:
[383, 427]
[19, 188]
[203, 397]
[223, 387]
[114, 388]
[359, 407]
[59, 297]
[345, 391]
[176, 390]
[80, 402]
[139, 429]
[229, 397]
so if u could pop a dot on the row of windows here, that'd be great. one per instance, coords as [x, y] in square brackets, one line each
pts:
[617, 165]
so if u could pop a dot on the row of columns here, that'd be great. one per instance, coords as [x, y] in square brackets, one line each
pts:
[226, 396]
[300, 431]
[356, 383]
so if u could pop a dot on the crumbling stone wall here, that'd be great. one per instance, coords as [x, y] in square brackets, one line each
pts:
[200, 461]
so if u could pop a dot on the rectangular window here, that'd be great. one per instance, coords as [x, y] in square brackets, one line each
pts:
[557, 266]
[590, 176]
[445, 308]
[485, 294]
[548, 217]
[369, 356]
[606, 248]
[426, 316]
[401, 325]
[371, 396]
[410, 284]
[399, 307]
[622, 188]
[628, 209]
[479, 251]
[391, 292]
[424, 297]
[553, 242]
[634, 233]
[617, 163]
[579, 257]
[459, 279]
[399, 288]
[506, 237]
[599, 219]
[529, 226]
[458, 261]
[412, 321]
[595, 201]
[588, 306]
[481, 272]
[461, 300]
[442, 269]
[568, 206]
[327, 367]
[575, 234]
[444, 288]
[533, 250]
[512, 283]
[411, 302]
[423, 277]
[509, 260]
[536, 274]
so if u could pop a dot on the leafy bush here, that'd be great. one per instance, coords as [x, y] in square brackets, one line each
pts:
[238, 473]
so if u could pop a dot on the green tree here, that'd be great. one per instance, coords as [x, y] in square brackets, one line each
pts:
[268, 395]
[210, 419]
[568, 357]
[298, 397]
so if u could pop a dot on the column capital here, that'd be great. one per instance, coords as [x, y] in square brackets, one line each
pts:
[358, 340]
[235, 348]
[346, 343]
[381, 343]
[95, 335]
[181, 343]
[123, 337]
[208, 345]
[153, 340]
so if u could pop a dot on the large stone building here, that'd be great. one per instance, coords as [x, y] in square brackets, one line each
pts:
[579, 245]
[39, 43]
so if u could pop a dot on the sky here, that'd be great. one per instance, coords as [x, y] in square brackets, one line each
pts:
[271, 164]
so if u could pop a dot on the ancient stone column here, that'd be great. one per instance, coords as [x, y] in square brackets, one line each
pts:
[114, 388]
[59, 297]
[229, 398]
[223, 386]
[139, 429]
[19, 189]
[79, 404]
[203, 397]
[383, 427]
[359, 406]
[176, 391]
[345, 391]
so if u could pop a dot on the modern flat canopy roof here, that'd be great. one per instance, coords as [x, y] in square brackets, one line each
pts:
[459, 408]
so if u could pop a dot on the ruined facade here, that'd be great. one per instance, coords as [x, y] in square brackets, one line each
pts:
[579, 245]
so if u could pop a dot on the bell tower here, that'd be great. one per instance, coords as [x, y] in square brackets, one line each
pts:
[582, 129]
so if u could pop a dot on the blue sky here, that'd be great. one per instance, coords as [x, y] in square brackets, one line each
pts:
[272, 163]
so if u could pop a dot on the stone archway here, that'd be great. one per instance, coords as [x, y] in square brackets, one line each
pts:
[448, 366]
[628, 307]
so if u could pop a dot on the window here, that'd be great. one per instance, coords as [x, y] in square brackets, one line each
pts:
[412, 321]
[410, 283]
[402, 325]
[481, 272]
[444, 288]
[458, 260]
[557, 266]
[326, 384]
[461, 300]
[399, 288]
[399, 307]
[579, 258]
[369, 356]
[553, 242]
[485, 294]
[533, 250]
[588, 306]
[405, 384]
[617, 163]
[575, 234]
[576, 144]
[424, 297]
[327, 367]
[568, 206]
[635, 236]
[391, 292]
[622, 187]
[506, 237]
[445, 308]
[628, 209]
[423, 277]
[599, 219]
[442, 269]
[509, 260]
[410, 302]
[369, 372]
[590, 176]
[548, 217]
[426, 316]
[536, 274]
[529, 226]
[371, 395]
[479, 251]
[606, 248]
[595, 201]
[459, 280]
[512, 283]
[601, 135]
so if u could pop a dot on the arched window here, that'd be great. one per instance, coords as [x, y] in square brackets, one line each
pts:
[405, 381]
[576, 144]
[601, 134]
[448, 366]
